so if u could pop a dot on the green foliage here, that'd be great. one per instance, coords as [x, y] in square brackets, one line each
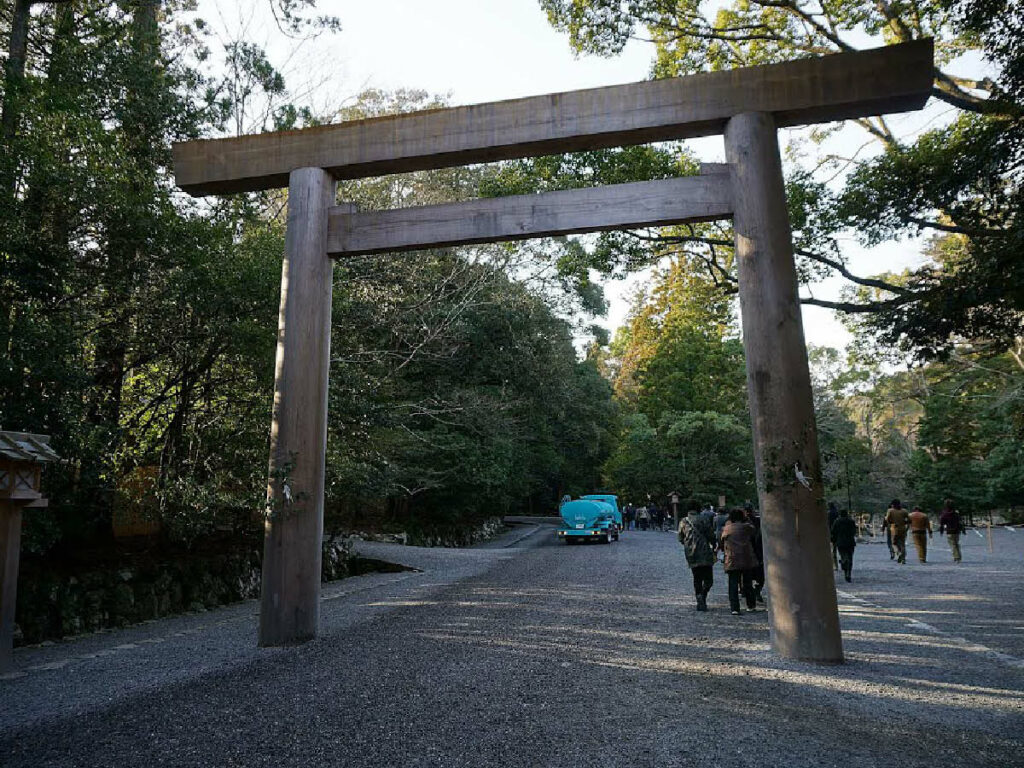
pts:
[456, 393]
[680, 350]
[863, 445]
[692, 36]
[139, 326]
[701, 454]
[961, 180]
[609, 252]
[679, 370]
[577, 170]
[948, 429]
[998, 26]
[974, 286]
[970, 442]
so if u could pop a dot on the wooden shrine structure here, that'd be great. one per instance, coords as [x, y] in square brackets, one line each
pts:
[747, 106]
[22, 457]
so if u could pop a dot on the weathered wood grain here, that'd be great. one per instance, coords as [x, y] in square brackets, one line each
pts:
[290, 594]
[891, 79]
[489, 220]
[804, 613]
[10, 552]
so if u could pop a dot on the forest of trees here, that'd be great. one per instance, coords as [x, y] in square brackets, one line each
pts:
[928, 401]
[138, 325]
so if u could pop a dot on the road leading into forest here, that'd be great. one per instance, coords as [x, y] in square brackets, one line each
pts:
[536, 654]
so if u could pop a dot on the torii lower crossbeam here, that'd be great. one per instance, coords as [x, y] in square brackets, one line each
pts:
[617, 206]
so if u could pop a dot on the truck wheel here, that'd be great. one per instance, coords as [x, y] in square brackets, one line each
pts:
[607, 538]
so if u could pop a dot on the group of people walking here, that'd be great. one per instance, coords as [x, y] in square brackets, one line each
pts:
[736, 534]
[649, 517]
[898, 523]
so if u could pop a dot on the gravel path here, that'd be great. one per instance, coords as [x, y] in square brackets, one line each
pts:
[528, 653]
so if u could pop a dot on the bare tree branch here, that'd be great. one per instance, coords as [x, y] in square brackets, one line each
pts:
[792, 7]
[851, 307]
[954, 229]
[869, 282]
[961, 99]
[835, 264]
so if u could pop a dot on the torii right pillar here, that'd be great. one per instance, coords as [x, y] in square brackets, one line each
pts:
[804, 614]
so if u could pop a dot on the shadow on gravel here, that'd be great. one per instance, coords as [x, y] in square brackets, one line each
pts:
[598, 662]
[891, 667]
[360, 566]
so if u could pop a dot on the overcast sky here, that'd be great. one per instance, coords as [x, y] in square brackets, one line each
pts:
[488, 50]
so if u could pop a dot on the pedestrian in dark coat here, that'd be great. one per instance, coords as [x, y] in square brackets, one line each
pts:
[949, 523]
[737, 542]
[833, 515]
[888, 541]
[844, 539]
[758, 578]
[697, 537]
[658, 517]
[721, 518]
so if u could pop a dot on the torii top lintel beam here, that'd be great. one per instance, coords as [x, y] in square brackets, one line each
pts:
[894, 78]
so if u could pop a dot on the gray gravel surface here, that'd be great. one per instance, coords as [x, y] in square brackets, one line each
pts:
[525, 652]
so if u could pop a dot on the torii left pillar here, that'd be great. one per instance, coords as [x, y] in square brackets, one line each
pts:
[290, 596]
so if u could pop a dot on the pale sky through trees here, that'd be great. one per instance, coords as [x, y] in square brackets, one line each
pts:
[489, 50]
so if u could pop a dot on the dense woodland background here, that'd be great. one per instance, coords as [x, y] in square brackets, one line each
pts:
[138, 325]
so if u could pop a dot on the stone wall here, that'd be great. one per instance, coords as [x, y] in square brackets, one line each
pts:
[54, 604]
[439, 537]
[60, 602]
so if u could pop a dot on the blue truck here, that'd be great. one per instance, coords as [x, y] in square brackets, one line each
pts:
[595, 517]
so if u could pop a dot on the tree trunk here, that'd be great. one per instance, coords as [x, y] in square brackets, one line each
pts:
[37, 232]
[128, 228]
[14, 81]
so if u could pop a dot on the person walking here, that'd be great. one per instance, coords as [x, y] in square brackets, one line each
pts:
[697, 537]
[643, 517]
[888, 541]
[738, 544]
[897, 520]
[758, 576]
[949, 523]
[833, 515]
[920, 524]
[721, 518]
[844, 540]
[658, 517]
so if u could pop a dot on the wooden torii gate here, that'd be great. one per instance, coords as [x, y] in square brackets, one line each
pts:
[746, 105]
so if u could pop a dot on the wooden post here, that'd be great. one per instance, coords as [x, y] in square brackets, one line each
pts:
[804, 613]
[10, 543]
[290, 597]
